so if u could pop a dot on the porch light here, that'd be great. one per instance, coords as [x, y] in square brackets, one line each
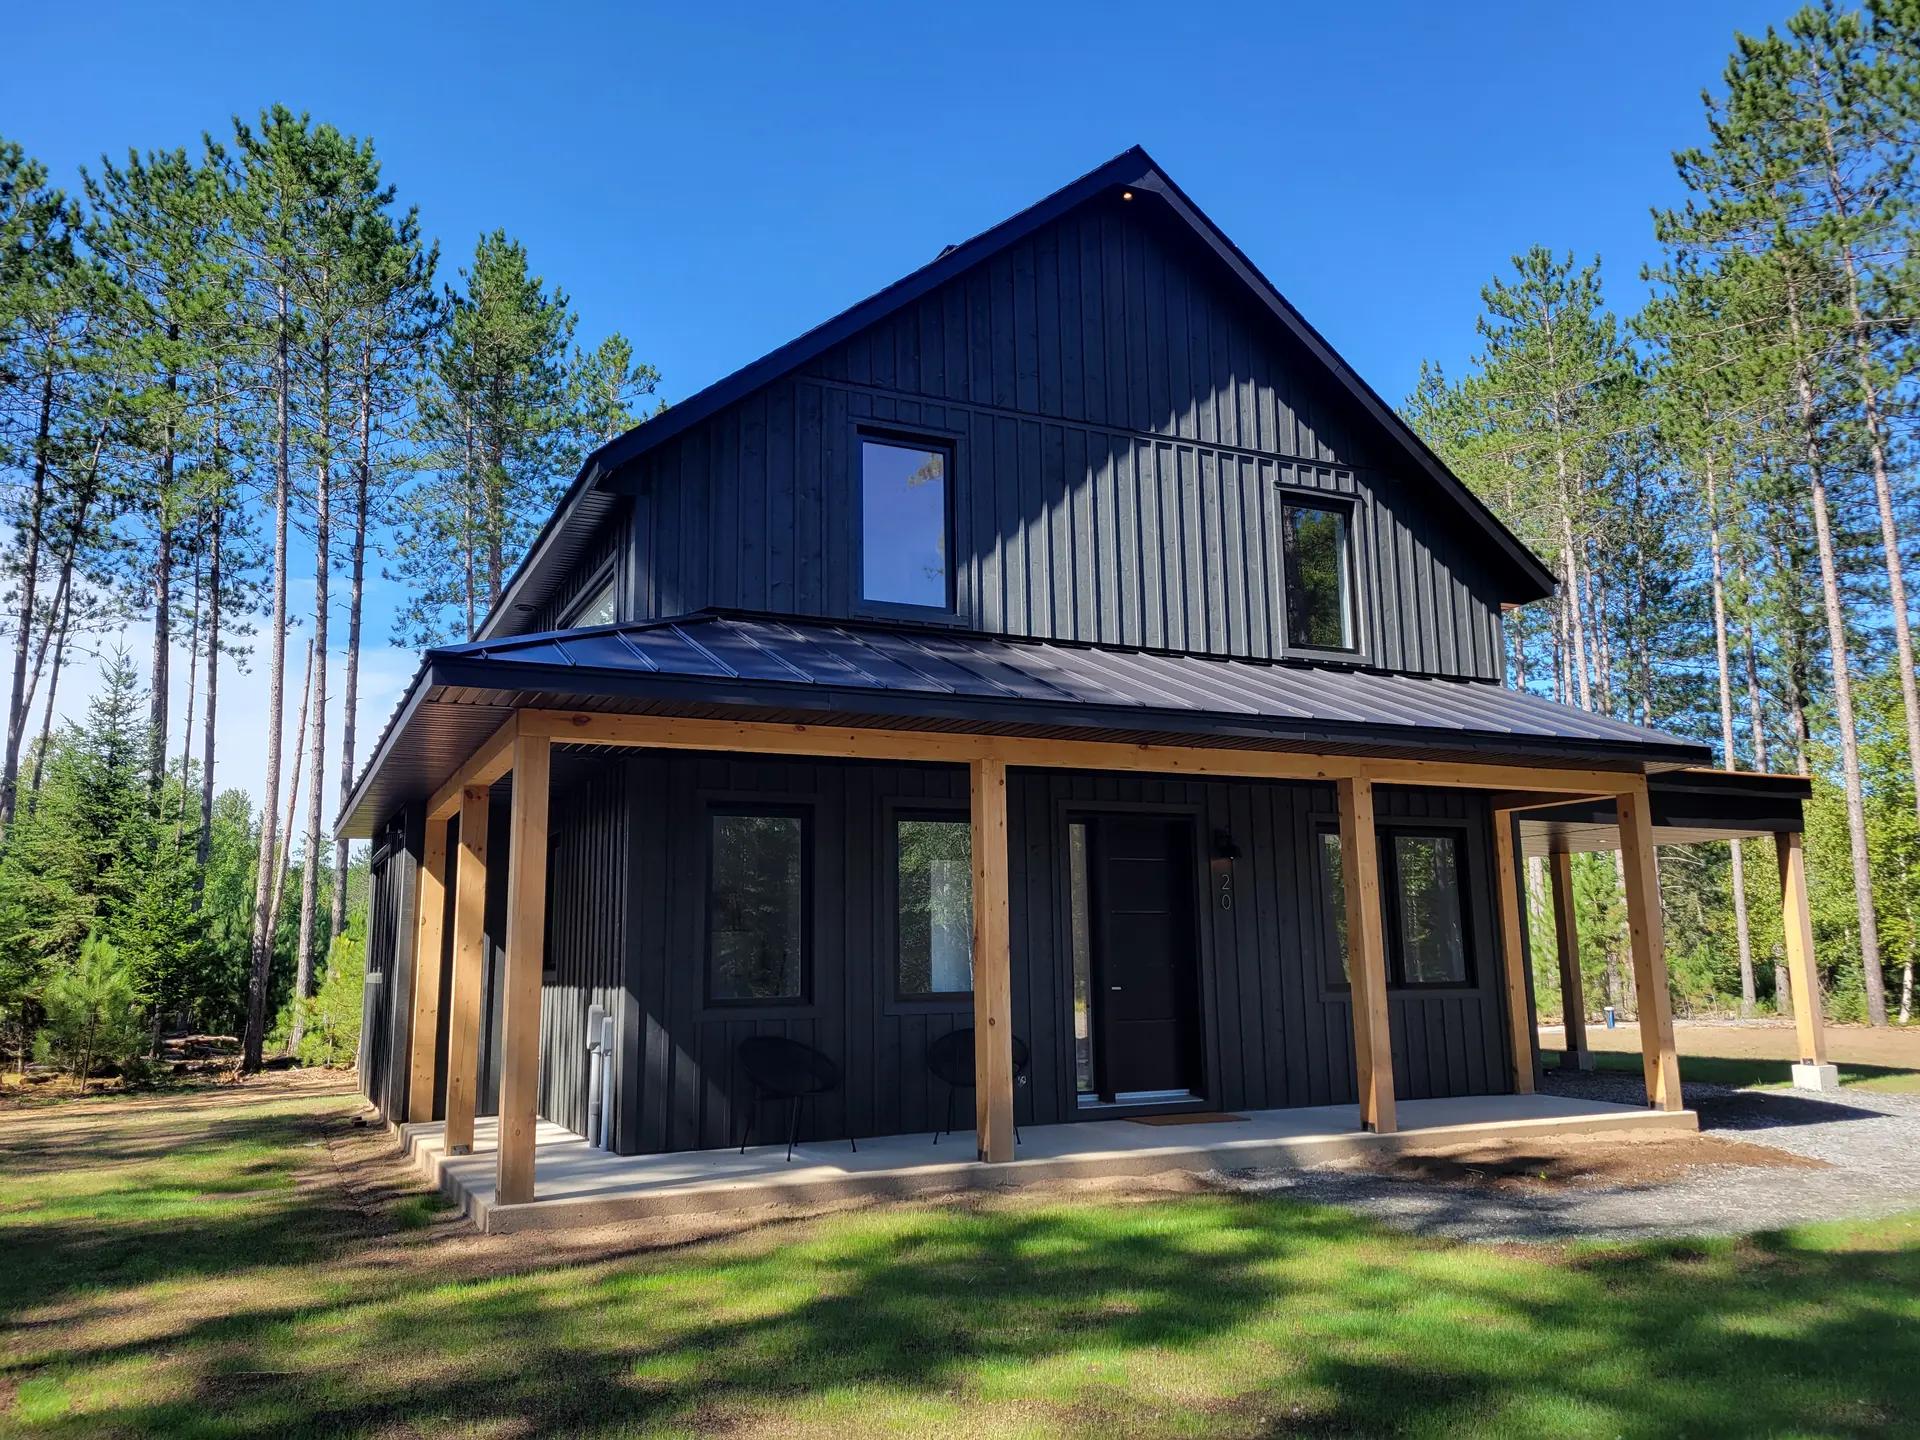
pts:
[1226, 850]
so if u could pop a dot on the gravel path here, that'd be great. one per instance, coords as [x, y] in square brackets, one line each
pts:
[1871, 1142]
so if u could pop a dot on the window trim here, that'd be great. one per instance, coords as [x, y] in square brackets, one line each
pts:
[948, 444]
[604, 577]
[1336, 983]
[894, 812]
[714, 809]
[1348, 507]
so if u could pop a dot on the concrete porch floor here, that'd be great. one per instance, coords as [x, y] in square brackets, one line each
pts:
[578, 1185]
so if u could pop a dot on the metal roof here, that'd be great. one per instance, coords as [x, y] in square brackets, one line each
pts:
[1688, 806]
[930, 677]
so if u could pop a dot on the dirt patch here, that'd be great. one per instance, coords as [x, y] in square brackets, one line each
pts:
[1563, 1163]
[1894, 1046]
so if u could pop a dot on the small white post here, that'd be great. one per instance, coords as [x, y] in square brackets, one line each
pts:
[596, 1064]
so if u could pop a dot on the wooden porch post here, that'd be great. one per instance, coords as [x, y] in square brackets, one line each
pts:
[469, 965]
[992, 964]
[1573, 995]
[520, 986]
[1813, 1072]
[1647, 935]
[431, 900]
[1366, 956]
[1513, 952]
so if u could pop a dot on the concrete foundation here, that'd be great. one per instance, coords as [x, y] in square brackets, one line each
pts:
[575, 1184]
[1815, 1077]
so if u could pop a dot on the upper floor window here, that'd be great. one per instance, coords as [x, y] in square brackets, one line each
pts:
[904, 510]
[1318, 561]
[593, 608]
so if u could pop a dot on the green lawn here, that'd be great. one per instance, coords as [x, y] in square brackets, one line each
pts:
[209, 1272]
[1721, 1070]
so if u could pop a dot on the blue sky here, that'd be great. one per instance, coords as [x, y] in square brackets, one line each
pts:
[711, 180]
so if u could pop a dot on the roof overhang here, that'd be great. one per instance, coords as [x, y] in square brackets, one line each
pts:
[772, 669]
[1686, 806]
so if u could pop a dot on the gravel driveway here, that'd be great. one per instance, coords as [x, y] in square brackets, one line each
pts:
[1870, 1144]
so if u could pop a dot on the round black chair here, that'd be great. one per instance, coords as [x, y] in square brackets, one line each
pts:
[783, 1069]
[950, 1058]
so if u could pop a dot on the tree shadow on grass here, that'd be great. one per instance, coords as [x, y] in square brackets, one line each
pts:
[1266, 1316]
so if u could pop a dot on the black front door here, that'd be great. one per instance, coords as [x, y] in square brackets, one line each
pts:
[1144, 969]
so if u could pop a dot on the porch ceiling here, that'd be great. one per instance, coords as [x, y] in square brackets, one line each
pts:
[922, 677]
[1687, 806]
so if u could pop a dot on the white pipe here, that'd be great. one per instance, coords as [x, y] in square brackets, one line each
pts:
[596, 1066]
[606, 1082]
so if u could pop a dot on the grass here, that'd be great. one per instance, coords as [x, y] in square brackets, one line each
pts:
[222, 1270]
[1723, 1070]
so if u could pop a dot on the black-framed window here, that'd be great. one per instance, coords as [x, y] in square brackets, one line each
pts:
[1426, 905]
[1317, 563]
[759, 912]
[1423, 885]
[595, 607]
[933, 904]
[906, 530]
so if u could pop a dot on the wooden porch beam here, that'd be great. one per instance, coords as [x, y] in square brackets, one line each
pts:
[853, 743]
[1513, 953]
[469, 969]
[1573, 996]
[1802, 974]
[992, 964]
[429, 924]
[1646, 934]
[1366, 956]
[520, 984]
[487, 764]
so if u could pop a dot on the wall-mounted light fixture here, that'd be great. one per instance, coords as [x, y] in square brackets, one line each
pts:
[1226, 850]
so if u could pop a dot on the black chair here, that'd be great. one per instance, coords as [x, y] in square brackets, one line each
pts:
[950, 1058]
[783, 1069]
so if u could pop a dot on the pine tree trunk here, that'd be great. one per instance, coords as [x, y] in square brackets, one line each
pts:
[285, 855]
[186, 723]
[1876, 443]
[65, 619]
[322, 572]
[356, 597]
[259, 970]
[1749, 992]
[203, 847]
[1842, 683]
[20, 701]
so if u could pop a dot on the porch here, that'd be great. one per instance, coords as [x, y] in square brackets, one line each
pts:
[989, 714]
[581, 1185]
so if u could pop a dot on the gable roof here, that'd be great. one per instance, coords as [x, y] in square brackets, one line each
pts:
[1132, 169]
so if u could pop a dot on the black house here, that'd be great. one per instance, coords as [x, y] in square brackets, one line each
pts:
[1062, 644]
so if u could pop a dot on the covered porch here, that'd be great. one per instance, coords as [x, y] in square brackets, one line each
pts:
[977, 707]
[581, 1185]
[1688, 807]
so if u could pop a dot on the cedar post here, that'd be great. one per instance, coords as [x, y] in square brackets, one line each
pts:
[525, 958]
[1513, 952]
[1647, 935]
[1802, 973]
[992, 964]
[1366, 956]
[431, 901]
[469, 965]
[1573, 996]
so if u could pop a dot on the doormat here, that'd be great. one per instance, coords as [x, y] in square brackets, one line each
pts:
[1190, 1117]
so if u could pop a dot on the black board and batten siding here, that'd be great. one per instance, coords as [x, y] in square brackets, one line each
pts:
[626, 928]
[1122, 436]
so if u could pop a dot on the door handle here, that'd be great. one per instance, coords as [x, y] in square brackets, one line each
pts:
[1114, 988]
